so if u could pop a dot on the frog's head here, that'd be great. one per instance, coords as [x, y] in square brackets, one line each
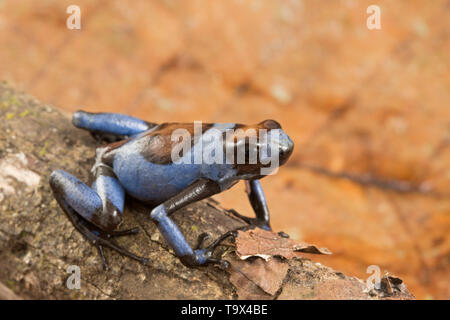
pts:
[260, 149]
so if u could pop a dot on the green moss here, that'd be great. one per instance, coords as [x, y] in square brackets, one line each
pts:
[10, 115]
[11, 284]
[308, 293]
[23, 234]
[12, 101]
[44, 149]
[24, 113]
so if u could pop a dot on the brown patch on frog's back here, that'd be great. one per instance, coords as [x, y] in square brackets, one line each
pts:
[158, 148]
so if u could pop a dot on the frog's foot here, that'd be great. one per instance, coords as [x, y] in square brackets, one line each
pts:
[256, 223]
[207, 252]
[126, 232]
[100, 238]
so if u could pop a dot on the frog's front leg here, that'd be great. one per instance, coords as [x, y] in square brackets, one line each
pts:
[199, 190]
[258, 201]
[95, 212]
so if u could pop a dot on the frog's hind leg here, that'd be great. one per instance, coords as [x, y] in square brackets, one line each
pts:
[95, 212]
[110, 127]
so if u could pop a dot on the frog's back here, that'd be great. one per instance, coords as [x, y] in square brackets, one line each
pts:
[145, 168]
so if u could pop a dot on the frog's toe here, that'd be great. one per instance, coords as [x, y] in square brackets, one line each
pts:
[127, 232]
[283, 234]
[224, 264]
[252, 222]
[202, 239]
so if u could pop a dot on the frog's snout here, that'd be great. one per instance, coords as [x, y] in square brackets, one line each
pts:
[285, 147]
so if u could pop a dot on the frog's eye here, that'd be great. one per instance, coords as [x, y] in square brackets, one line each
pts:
[270, 124]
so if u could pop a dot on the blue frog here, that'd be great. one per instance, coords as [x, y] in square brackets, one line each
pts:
[165, 165]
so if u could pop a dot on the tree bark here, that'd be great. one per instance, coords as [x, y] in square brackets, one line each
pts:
[38, 243]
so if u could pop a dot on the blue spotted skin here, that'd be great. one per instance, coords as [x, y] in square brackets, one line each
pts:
[127, 167]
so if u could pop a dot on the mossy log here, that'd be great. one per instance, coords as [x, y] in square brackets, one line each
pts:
[38, 243]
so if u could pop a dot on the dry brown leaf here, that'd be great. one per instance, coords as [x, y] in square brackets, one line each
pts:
[266, 244]
[257, 278]
[392, 285]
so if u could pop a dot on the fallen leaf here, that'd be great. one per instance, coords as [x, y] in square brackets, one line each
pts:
[266, 244]
[256, 278]
[392, 285]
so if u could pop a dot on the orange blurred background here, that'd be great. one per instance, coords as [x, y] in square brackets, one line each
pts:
[368, 110]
